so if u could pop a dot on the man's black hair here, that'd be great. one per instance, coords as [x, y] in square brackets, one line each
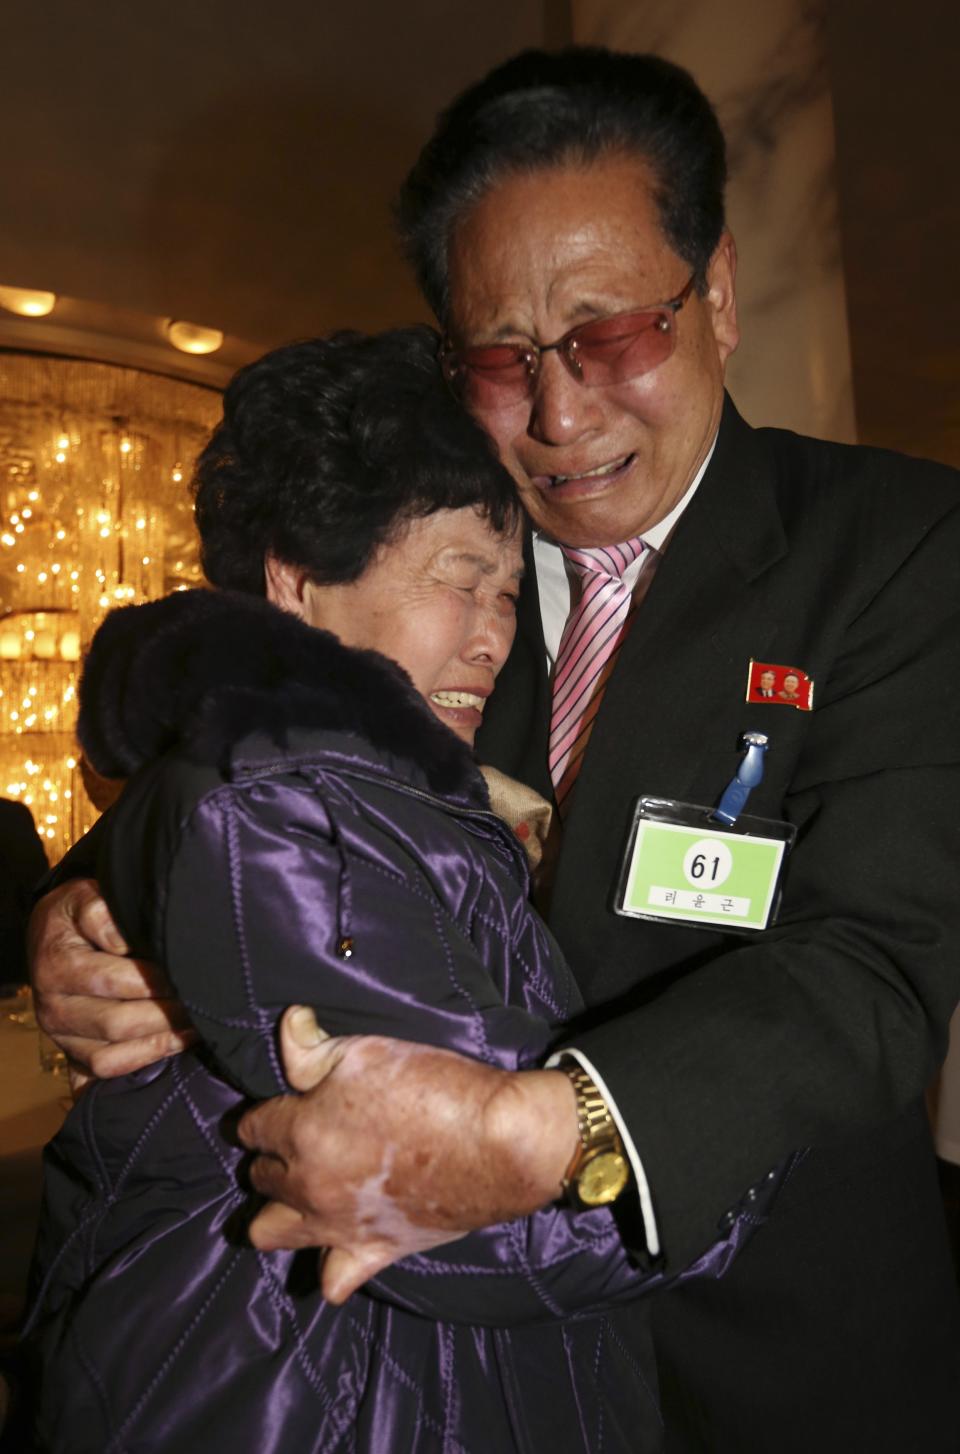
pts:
[540, 110]
[327, 447]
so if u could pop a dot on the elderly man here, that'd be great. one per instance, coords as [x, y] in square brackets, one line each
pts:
[566, 222]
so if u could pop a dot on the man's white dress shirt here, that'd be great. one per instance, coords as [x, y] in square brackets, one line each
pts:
[555, 585]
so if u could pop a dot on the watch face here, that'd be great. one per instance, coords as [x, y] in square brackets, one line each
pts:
[603, 1179]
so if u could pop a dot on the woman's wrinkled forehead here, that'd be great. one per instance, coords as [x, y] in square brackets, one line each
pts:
[464, 535]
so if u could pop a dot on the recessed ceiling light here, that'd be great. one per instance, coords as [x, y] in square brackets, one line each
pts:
[193, 338]
[28, 302]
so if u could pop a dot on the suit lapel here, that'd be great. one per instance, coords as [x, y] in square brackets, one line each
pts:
[696, 630]
[690, 641]
[673, 709]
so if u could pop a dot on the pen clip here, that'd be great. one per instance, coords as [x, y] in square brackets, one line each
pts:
[748, 775]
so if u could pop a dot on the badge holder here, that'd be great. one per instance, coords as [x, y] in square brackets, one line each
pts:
[709, 867]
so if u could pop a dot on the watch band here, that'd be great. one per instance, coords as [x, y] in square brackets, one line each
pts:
[599, 1170]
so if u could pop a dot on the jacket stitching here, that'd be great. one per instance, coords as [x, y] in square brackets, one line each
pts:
[614, 1337]
[479, 1027]
[102, 1203]
[447, 1338]
[233, 1022]
[90, 1141]
[179, 1345]
[409, 1383]
[165, 1106]
[193, 1110]
[531, 977]
[515, 1232]
[598, 1447]
[570, 1353]
[235, 871]
[101, 1392]
[417, 1264]
[98, 1215]
[285, 1305]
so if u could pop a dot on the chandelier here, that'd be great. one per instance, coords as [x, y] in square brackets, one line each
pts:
[94, 513]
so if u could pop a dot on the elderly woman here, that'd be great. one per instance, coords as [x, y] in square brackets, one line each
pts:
[304, 822]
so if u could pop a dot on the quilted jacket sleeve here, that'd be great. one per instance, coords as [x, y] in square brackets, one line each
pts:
[249, 916]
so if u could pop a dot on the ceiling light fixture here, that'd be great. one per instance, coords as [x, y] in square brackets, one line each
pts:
[28, 302]
[193, 338]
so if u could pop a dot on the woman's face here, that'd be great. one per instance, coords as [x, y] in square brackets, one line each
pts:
[440, 599]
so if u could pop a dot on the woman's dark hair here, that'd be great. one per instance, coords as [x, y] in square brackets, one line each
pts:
[540, 110]
[326, 447]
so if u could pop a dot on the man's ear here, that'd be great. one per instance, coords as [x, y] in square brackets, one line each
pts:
[722, 296]
[285, 584]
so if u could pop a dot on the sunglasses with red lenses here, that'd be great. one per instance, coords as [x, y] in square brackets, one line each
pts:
[603, 351]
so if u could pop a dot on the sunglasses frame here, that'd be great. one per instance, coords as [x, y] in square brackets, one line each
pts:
[454, 365]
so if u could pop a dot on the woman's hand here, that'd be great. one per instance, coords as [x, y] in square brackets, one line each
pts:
[393, 1148]
[108, 1013]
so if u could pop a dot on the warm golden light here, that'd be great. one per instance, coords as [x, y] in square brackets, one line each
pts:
[28, 302]
[90, 518]
[193, 337]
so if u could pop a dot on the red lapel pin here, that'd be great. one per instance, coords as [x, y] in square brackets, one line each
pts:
[782, 686]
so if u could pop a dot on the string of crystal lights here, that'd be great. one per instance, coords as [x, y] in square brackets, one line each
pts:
[94, 512]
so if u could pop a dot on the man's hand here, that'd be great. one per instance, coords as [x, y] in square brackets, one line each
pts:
[394, 1148]
[108, 1013]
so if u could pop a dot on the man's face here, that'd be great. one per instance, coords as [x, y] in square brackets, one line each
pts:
[544, 252]
[767, 680]
[791, 683]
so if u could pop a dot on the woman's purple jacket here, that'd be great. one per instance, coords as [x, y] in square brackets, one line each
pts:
[288, 795]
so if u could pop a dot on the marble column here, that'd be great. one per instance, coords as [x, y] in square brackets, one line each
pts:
[763, 67]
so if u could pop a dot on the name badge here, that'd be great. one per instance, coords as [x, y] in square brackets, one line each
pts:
[684, 866]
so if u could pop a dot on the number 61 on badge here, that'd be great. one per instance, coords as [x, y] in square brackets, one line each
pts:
[682, 865]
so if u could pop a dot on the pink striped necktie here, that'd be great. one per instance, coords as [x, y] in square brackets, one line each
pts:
[587, 653]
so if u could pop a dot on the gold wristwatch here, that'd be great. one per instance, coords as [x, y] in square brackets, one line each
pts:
[599, 1170]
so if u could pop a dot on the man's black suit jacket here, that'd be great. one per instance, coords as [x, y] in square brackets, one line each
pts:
[725, 1054]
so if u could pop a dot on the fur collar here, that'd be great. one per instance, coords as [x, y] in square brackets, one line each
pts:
[203, 669]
